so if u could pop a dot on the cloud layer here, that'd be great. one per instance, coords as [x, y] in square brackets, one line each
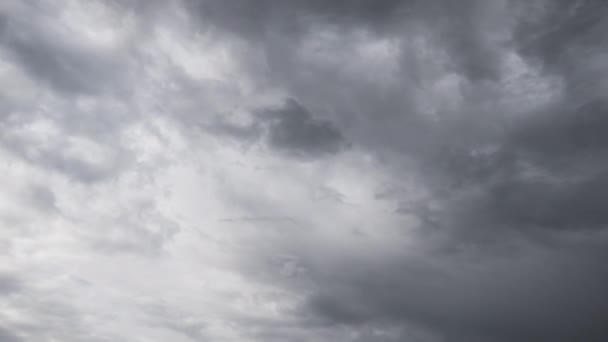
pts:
[201, 170]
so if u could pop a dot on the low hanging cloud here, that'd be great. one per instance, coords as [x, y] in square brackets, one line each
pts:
[395, 170]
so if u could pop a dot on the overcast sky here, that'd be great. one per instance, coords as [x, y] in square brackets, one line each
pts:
[303, 170]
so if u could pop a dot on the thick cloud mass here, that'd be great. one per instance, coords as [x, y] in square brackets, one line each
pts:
[232, 170]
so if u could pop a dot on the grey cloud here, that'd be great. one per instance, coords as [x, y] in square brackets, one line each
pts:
[384, 118]
[41, 198]
[47, 316]
[567, 136]
[62, 66]
[503, 181]
[293, 129]
[161, 315]
[547, 171]
[51, 53]
[566, 38]
[565, 205]
[549, 298]
[289, 128]
[57, 158]
[560, 28]
[9, 283]
[7, 336]
[145, 231]
[261, 18]
[245, 133]
[470, 32]
[511, 232]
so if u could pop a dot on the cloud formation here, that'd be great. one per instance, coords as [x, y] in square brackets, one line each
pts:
[303, 170]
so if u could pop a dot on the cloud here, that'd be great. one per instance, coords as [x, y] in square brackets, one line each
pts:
[8, 336]
[525, 301]
[51, 50]
[291, 128]
[303, 170]
[9, 284]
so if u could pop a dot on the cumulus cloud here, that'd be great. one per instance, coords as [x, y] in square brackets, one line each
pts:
[303, 170]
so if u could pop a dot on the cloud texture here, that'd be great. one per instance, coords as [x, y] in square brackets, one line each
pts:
[363, 170]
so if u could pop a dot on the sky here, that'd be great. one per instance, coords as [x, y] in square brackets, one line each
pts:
[303, 170]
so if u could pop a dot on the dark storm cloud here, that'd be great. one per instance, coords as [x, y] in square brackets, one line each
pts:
[530, 296]
[548, 171]
[515, 218]
[563, 28]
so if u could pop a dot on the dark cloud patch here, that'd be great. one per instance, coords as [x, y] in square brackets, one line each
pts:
[553, 205]
[546, 171]
[562, 29]
[536, 296]
[294, 17]
[566, 136]
[290, 129]
[566, 38]
[293, 129]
